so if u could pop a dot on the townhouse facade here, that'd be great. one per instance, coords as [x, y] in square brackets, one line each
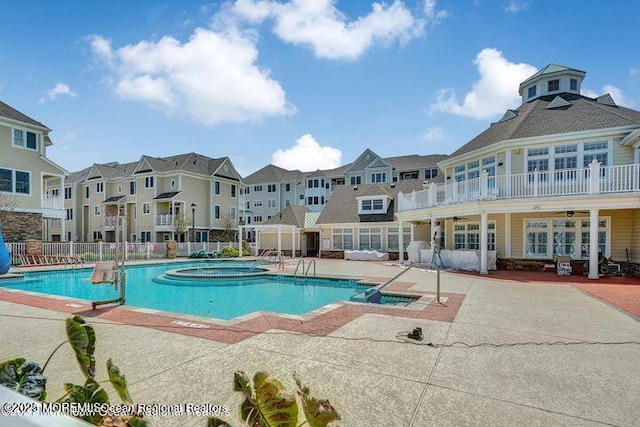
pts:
[183, 197]
[559, 176]
[271, 189]
[31, 185]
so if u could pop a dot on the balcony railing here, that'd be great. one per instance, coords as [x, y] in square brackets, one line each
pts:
[52, 202]
[595, 179]
[165, 219]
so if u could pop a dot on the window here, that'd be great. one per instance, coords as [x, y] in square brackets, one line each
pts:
[573, 84]
[216, 188]
[146, 208]
[598, 151]
[97, 235]
[393, 239]
[271, 188]
[287, 202]
[257, 203]
[271, 203]
[430, 173]
[96, 210]
[148, 182]
[536, 238]
[25, 139]
[407, 176]
[301, 197]
[132, 187]
[287, 187]
[15, 181]
[86, 192]
[356, 180]
[99, 187]
[370, 239]
[313, 200]
[379, 177]
[553, 237]
[201, 236]
[257, 188]
[216, 211]
[342, 238]
[233, 213]
[466, 236]
[537, 160]
[173, 184]
[372, 205]
[67, 193]
[145, 236]
[257, 218]
[553, 85]
[531, 92]
[473, 169]
[69, 212]
[566, 161]
[233, 190]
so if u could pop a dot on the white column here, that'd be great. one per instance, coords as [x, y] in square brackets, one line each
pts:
[293, 243]
[239, 241]
[507, 235]
[593, 244]
[400, 242]
[484, 239]
[279, 238]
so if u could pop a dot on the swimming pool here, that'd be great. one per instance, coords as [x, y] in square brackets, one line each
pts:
[218, 298]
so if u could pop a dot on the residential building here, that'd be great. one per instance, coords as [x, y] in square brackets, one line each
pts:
[557, 176]
[183, 197]
[31, 185]
[362, 217]
[272, 188]
[292, 231]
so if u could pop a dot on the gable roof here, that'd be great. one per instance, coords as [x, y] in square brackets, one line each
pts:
[342, 206]
[11, 113]
[273, 173]
[290, 215]
[533, 119]
[416, 161]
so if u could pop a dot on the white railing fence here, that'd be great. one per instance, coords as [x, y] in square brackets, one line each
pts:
[105, 251]
[594, 179]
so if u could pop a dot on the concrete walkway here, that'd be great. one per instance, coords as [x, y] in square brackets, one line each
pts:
[375, 378]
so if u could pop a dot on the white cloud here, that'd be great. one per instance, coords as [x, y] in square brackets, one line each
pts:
[212, 77]
[435, 16]
[492, 94]
[320, 26]
[60, 89]
[515, 6]
[307, 155]
[433, 134]
[616, 93]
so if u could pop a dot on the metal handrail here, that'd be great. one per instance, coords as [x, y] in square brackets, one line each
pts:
[300, 261]
[312, 262]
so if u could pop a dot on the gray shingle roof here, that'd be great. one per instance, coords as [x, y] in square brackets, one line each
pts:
[415, 161]
[342, 206]
[534, 119]
[272, 173]
[11, 113]
[291, 215]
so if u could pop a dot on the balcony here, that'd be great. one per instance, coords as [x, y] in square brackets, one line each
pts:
[595, 179]
[165, 220]
[52, 202]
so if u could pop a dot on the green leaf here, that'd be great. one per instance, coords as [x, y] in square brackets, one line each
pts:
[137, 422]
[270, 406]
[319, 412]
[82, 338]
[217, 422]
[24, 377]
[118, 381]
[91, 392]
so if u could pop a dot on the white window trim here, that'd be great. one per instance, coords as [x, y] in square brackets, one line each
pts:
[580, 153]
[385, 204]
[466, 232]
[24, 147]
[578, 230]
[14, 182]
[146, 204]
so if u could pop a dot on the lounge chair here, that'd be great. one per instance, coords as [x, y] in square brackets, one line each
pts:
[104, 271]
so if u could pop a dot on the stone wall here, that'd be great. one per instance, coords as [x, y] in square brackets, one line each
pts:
[332, 254]
[21, 226]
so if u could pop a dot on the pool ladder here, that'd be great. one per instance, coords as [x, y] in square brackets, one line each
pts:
[305, 270]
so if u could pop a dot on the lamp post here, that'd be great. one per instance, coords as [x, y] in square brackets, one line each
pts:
[193, 221]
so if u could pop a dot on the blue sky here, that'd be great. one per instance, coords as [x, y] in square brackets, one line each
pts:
[304, 84]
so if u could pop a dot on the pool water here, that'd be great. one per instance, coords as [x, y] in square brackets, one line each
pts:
[218, 298]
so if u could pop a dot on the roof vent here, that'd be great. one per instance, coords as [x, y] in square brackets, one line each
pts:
[508, 115]
[558, 102]
[355, 188]
[392, 185]
[606, 99]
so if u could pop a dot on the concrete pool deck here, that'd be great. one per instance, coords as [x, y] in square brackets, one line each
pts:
[352, 354]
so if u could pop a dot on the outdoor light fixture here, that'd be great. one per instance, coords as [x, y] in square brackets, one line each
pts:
[570, 213]
[193, 221]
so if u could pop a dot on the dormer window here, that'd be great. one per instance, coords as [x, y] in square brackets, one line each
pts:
[531, 92]
[373, 205]
[554, 85]
[573, 84]
[25, 139]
